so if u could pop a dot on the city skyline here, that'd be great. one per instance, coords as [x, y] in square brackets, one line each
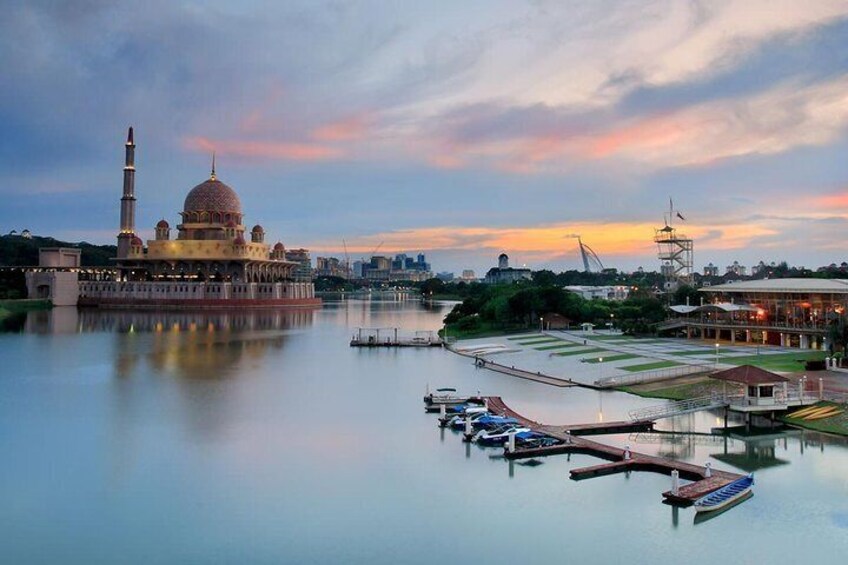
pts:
[457, 131]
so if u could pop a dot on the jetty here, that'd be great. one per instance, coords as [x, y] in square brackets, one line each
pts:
[390, 337]
[704, 478]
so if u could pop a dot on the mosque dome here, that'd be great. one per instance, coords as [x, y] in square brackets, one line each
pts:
[212, 196]
[162, 224]
[279, 246]
[257, 229]
[136, 242]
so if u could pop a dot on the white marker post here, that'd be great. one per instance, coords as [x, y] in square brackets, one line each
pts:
[627, 453]
[443, 412]
[675, 482]
[708, 471]
[510, 446]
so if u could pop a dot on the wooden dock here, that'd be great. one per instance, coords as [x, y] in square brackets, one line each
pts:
[389, 337]
[619, 460]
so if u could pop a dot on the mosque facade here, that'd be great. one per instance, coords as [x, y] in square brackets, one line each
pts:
[210, 260]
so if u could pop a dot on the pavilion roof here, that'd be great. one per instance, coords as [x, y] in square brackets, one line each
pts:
[749, 375]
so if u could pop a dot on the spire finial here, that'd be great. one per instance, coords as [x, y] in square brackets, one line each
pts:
[130, 136]
[212, 177]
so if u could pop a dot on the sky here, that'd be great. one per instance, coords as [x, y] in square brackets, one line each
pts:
[460, 129]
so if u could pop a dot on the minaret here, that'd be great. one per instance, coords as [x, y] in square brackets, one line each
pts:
[128, 200]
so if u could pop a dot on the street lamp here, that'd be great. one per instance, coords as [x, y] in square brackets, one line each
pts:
[601, 367]
[541, 324]
[716, 357]
[612, 323]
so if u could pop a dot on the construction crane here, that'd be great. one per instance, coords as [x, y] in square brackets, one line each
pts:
[347, 259]
[376, 249]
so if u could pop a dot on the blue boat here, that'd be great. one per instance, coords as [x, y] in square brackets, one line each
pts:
[726, 495]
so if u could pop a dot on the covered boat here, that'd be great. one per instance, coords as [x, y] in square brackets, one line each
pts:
[726, 495]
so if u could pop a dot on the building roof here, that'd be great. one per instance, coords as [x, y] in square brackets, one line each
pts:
[837, 286]
[719, 307]
[212, 196]
[749, 375]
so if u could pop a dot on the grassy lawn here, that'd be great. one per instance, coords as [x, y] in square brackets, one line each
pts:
[693, 352]
[650, 366]
[777, 362]
[524, 336]
[581, 352]
[564, 345]
[698, 389]
[620, 357]
[484, 330]
[834, 425]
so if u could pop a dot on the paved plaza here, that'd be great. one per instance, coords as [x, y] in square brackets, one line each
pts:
[587, 357]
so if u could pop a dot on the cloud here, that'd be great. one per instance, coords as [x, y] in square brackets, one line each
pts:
[255, 149]
[343, 130]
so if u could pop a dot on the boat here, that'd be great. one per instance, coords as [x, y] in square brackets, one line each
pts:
[530, 439]
[481, 420]
[497, 436]
[446, 396]
[726, 495]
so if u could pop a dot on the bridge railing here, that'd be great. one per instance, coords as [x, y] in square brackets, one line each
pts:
[652, 376]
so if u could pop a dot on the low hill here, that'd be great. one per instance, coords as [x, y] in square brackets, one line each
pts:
[17, 251]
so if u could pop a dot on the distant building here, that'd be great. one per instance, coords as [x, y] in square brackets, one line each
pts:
[445, 276]
[504, 274]
[359, 269]
[26, 234]
[468, 275]
[400, 268]
[303, 270]
[736, 269]
[331, 267]
[711, 270]
[617, 292]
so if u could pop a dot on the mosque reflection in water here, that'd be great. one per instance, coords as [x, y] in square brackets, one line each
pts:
[189, 344]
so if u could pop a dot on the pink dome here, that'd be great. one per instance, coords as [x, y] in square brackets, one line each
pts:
[279, 246]
[136, 241]
[257, 229]
[162, 224]
[212, 196]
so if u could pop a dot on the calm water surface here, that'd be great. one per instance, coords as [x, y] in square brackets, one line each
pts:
[263, 438]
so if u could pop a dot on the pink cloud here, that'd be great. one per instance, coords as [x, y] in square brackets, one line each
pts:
[265, 149]
[342, 130]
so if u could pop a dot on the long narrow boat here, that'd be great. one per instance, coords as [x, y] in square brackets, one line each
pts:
[725, 496]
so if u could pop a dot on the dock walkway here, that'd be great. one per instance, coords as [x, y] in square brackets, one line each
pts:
[704, 480]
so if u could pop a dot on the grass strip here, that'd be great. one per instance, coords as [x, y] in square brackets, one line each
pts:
[650, 366]
[777, 362]
[558, 346]
[538, 341]
[611, 358]
[580, 352]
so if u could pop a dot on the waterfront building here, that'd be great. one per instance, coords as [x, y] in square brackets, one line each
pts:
[209, 263]
[785, 312]
[616, 292]
[504, 274]
[331, 267]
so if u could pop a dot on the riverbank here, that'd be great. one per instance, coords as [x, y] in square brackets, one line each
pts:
[686, 388]
[9, 307]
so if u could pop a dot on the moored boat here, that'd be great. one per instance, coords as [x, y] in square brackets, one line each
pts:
[726, 495]
[497, 436]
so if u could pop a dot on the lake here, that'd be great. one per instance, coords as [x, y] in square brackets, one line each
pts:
[262, 437]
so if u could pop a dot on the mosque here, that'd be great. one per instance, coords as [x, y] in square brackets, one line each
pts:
[208, 263]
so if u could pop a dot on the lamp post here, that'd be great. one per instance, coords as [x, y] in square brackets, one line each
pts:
[612, 323]
[541, 324]
[716, 355]
[601, 368]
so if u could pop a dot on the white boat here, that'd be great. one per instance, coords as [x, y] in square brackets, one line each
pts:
[726, 495]
[497, 436]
